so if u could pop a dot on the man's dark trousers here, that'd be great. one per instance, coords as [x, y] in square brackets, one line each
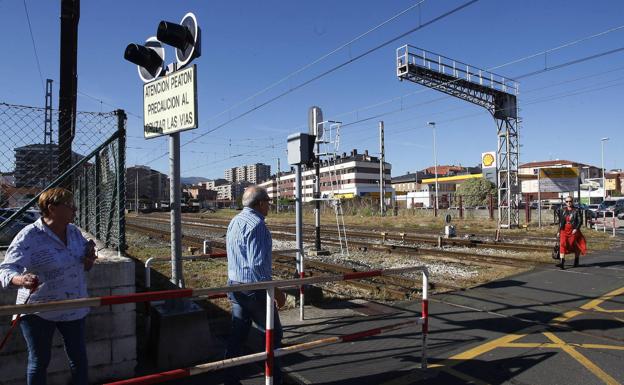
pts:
[248, 306]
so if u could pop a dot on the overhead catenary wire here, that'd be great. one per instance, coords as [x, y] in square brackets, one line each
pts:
[534, 73]
[318, 60]
[32, 39]
[325, 73]
[499, 66]
[467, 116]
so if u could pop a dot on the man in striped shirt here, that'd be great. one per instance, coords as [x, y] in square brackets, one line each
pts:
[249, 260]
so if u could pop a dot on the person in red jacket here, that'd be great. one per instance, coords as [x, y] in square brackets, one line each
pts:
[571, 240]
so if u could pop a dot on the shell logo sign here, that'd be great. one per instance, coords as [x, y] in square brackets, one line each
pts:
[488, 159]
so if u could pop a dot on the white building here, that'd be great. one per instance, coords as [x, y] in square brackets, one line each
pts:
[252, 173]
[356, 175]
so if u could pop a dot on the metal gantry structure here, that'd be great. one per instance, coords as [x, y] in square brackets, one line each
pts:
[493, 92]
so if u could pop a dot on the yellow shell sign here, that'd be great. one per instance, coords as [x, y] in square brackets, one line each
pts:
[488, 159]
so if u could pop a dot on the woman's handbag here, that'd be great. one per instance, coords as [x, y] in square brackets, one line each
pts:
[556, 250]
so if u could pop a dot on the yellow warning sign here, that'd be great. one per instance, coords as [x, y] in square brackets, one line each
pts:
[559, 172]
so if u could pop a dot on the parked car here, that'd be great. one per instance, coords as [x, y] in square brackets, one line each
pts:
[613, 205]
[29, 216]
[593, 207]
[10, 231]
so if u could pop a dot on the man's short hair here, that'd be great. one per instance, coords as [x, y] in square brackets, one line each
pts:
[253, 195]
[54, 196]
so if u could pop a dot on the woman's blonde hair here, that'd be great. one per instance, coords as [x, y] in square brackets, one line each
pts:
[54, 196]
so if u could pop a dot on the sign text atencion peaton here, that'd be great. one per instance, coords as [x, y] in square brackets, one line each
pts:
[170, 103]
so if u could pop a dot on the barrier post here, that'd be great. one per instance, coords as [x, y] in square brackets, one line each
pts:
[268, 335]
[299, 236]
[613, 224]
[425, 315]
[148, 273]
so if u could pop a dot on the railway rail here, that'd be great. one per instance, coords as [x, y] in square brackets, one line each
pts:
[391, 287]
[384, 236]
[511, 237]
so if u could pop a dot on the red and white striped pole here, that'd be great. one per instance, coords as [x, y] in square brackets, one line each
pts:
[268, 335]
[301, 290]
[425, 316]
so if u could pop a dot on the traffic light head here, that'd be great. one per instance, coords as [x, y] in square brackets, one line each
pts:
[185, 37]
[149, 58]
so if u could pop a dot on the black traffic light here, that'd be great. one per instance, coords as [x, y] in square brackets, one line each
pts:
[149, 58]
[185, 37]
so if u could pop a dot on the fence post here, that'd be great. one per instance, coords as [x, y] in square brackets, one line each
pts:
[121, 182]
[85, 195]
[98, 211]
[491, 206]
[461, 208]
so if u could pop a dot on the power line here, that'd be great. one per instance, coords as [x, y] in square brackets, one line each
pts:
[335, 68]
[424, 90]
[569, 63]
[32, 38]
[318, 60]
[515, 61]
[331, 70]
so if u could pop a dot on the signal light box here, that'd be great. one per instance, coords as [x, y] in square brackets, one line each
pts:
[170, 103]
[300, 148]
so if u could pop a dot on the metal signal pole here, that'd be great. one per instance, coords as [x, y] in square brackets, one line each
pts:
[382, 205]
[277, 188]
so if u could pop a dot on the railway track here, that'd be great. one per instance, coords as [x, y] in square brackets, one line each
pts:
[508, 237]
[385, 236]
[389, 287]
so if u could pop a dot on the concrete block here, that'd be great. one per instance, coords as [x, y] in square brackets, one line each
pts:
[112, 372]
[13, 367]
[124, 349]
[99, 352]
[130, 289]
[59, 378]
[111, 325]
[111, 272]
[15, 343]
[172, 331]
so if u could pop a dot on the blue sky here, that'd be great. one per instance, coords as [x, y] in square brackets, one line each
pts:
[250, 45]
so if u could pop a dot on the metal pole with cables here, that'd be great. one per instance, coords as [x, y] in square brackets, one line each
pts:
[382, 206]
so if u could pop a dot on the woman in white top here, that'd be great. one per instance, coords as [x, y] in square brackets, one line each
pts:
[48, 261]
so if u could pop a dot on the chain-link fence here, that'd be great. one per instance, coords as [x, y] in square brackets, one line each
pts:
[30, 158]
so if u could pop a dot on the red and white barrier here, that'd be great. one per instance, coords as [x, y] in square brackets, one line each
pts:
[270, 353]
[605, 220]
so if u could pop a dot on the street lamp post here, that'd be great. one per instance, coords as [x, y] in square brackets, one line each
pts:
[604, 185]
[435, 164]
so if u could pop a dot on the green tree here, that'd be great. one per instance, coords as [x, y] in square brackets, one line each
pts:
[475, 192]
